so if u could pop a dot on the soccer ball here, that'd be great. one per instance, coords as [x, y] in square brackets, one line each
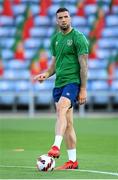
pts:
[45, 163]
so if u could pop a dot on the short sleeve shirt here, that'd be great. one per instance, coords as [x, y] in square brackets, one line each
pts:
[66, 49]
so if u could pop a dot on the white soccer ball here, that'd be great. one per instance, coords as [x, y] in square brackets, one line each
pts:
[45, 163]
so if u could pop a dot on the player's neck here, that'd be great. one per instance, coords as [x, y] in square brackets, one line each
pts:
[67, 31]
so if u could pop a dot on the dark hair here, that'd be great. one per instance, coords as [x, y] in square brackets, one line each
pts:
[61, 10]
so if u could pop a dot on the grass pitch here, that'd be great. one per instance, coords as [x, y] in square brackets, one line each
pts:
[23, 140]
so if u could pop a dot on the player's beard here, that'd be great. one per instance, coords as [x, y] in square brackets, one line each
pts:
[65, 27]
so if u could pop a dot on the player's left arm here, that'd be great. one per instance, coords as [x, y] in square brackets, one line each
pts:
[83, 76]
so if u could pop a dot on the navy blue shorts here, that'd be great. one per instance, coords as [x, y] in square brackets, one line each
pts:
[69, 91]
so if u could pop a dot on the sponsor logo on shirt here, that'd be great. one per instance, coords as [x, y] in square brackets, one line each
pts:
[69, 42]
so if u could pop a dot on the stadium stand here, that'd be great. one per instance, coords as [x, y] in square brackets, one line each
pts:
[32, 23]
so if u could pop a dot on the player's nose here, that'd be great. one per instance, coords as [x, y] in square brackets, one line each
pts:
[63, 19]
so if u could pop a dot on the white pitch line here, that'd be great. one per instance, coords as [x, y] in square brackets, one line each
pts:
[81, 170]
[97, 172]
[24, 167]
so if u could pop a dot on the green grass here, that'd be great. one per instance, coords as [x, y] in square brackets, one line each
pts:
[97, 147]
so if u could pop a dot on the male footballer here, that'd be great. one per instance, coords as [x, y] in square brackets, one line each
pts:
[69, 62]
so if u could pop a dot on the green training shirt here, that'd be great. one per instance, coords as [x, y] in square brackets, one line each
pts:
[66, 48]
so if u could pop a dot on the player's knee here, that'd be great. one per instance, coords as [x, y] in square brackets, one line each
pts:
[60, 110]
[69, 124]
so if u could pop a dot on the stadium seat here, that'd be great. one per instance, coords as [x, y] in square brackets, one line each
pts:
[23, 88]
[16, 74]
[6, 32]
[114, 86]
[115, 9]
[41, 21]
[103, 53]
[38, 32]
[7, 99]
[110, 32]
[9, 74]
[98, 74]
[29, 53]
[44, 98]
[61, 1]
[100, 89]
[41, 32]
[7, 54]
[7, 96]
[19, 9]
[6, 21]
[6, 85]
[116, 73]
[56, 1]
[23, 99]
[79, 21]
[85, 30]
[71, 7]
[97, 64]
[15, 64]
[19, 19]
[50, 32]
[43, 92]
[46, 43]
[105, 6]
[35, 8]
[7, 42]
[89, 85]
[90, 19]
[52, 9]
[107, 43]
[112, 20]
[104, 99]
[90, 9]
[36, 1]
[114, 89]
[99, 85]
[46, 85]
[32, 43]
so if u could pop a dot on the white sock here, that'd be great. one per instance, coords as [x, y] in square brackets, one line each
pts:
[58, 140]
[72, 154]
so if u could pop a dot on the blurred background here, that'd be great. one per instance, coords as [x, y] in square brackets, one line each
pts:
[26, 27]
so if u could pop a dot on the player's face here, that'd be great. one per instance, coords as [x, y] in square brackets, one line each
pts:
[64, 20]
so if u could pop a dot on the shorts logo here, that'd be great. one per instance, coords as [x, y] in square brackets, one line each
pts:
[69, 42]
[68, 94]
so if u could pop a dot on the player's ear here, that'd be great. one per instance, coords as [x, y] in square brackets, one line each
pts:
[57, 21]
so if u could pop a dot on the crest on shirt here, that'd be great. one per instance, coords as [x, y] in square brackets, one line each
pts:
[69, 42]
[56, 43]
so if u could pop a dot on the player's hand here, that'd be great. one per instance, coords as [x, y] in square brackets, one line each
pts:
[41, 77]
[82, 96]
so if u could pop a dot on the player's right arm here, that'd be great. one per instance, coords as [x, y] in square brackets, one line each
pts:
[43, 76]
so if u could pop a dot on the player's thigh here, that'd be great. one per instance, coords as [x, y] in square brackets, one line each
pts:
[63, 105]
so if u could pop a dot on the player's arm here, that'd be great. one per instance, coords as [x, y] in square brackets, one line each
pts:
[83, 76]
[48, 73]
